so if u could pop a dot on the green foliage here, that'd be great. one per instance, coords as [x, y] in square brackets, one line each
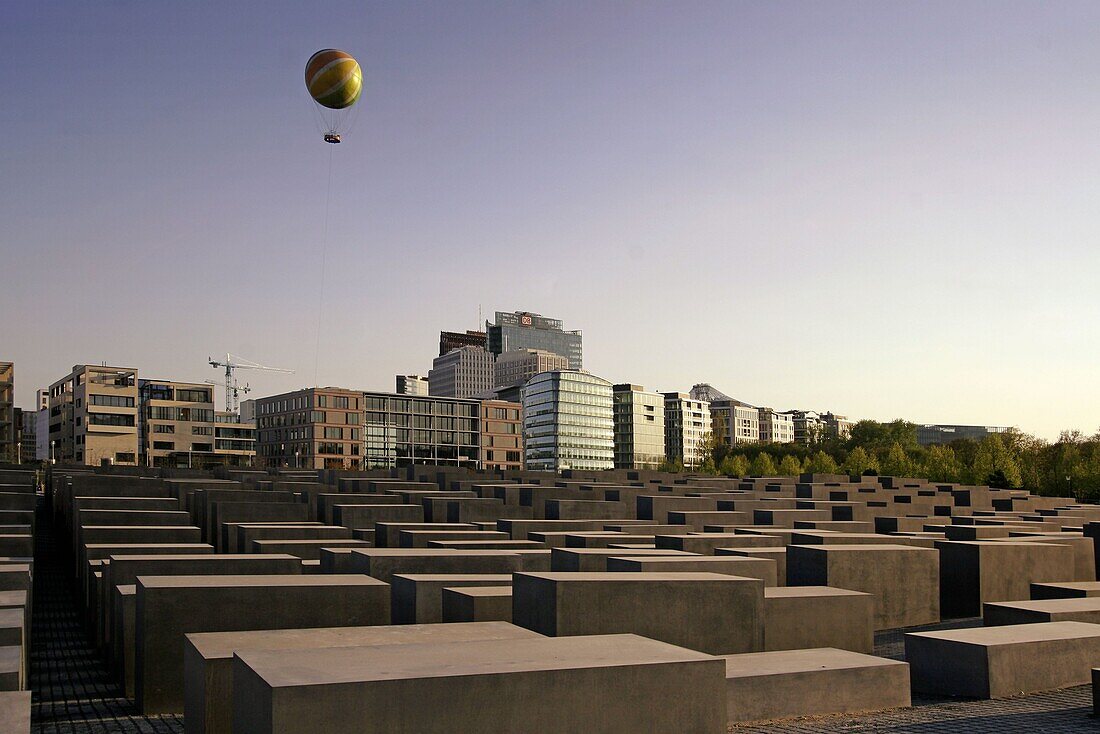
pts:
[992, 457]
[940, 465]
[674, 466]
[821, 463]
[790, 466]
[763, 466]
[859, 461]
[896, 462]
[734, 465]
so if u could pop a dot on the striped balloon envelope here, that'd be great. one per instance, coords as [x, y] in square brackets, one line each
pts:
[334, 79]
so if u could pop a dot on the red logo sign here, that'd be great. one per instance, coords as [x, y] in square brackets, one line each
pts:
[525, 320]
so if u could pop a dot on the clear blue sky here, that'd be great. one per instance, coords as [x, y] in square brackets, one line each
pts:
[882, 209]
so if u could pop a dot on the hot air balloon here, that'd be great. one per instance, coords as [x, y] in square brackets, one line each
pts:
[335, 82]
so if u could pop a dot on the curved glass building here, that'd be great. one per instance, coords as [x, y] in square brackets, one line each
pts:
[568, 422]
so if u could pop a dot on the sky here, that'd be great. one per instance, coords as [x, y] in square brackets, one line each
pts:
[887, 210]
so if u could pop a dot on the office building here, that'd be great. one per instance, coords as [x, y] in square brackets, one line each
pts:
[412, 385]
[775, 427]
[523, 330]
[461, 373]
[400, 430]
[687, 424]
[9, 445]
[568, 422]
[176, 423]
[639, 420]
[27, 420]
[234, 439]
[516, 367]
[313, 428]
[501, 435]
[449, 340]
[943, 433]
[93, 416]
[248, 411]
[735, 422]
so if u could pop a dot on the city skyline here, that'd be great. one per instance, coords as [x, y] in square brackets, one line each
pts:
[883, 212]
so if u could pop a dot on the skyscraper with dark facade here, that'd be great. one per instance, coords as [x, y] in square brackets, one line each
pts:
[524, 330]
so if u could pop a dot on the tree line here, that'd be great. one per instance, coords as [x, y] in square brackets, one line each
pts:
[1067, 467]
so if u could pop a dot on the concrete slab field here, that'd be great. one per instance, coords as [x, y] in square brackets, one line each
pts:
[801, 617]
[995, 662]
[613, 684]
[477, 604]
[169, 607]
[208, 657]
[1043, 610]
[708, 612]
[813, 682]
[418, 598]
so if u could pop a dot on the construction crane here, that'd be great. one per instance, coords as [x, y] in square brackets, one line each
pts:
[232, 387]
[235, 390]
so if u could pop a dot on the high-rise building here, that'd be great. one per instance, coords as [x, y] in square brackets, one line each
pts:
[735, 422]
[248, 411]
[234, 439]
[639, 427]
[501, 435]
[687, 424]
[461, 373]
[176, 423]
[9, 446]
[523, 330]
[449, 340]
[775, 427]
[401, 430]
[313, 428]
[520, 365]
[568, 422]
[93, 416]
[412, 385]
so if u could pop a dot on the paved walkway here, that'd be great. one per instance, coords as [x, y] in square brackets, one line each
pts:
[73, 693]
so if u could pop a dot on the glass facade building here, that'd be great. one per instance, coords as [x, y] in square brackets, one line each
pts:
[639, 428]
[522, 330]
[568, 422]
[400, 430]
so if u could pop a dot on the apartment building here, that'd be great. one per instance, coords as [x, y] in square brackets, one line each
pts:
[568, 422]
[314, 428]
[234, 439]
[176, 423]
[687, 424]
[837, 426]
[808, 426]
[735, 422]
[27, 423]
[401, 430]
[775, 427]
[639, 427]
[516, 367]
[9, 443]
[501, 435]
[461, 373]
[93, 416]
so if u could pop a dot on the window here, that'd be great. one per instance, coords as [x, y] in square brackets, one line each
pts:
[322, 401]
[161, 428]
[316, 416]
[340, 402]
[124, 458]
[108, 419]
[110, 401]
[202, 430]
[164, 445]
[193, 396]
[334, 432]
[201, 447]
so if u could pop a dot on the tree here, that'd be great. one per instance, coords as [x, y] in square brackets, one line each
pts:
[735, 465]
[790, 466]
[940, 464]
[821, 463]
[762, 465]
[859, 461]
[672, 466]
[992, 457]
[896, 463]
